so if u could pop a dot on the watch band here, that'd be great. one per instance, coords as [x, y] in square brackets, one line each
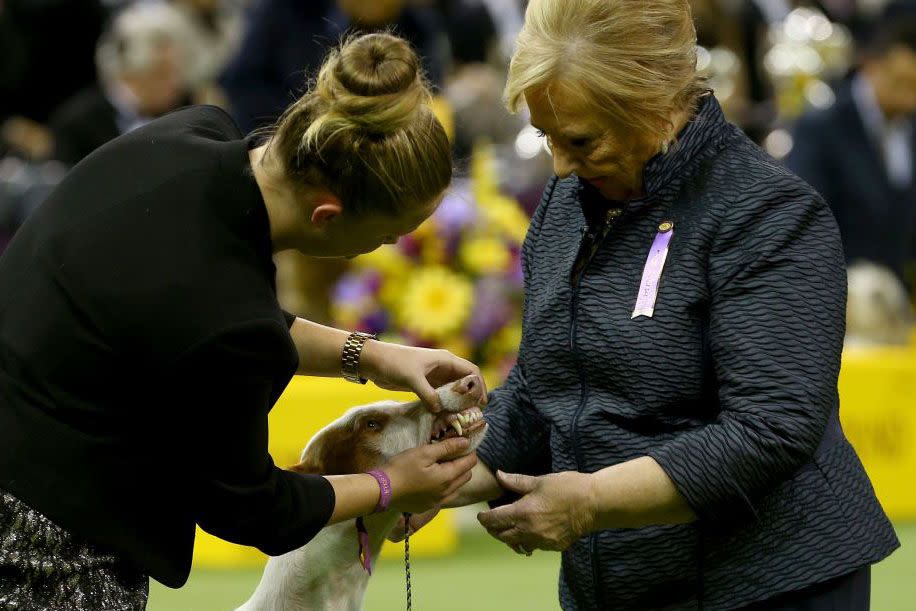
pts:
[349, 358]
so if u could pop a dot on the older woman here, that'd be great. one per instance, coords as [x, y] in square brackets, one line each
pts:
[672, 423]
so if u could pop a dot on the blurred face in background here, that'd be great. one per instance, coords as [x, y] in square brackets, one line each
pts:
[610, 157]
[372, 12]
[896, 90]
[159, 86]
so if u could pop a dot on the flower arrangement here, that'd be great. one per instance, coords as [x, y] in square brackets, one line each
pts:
[454, 283]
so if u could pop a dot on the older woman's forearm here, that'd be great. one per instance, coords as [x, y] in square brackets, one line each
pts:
[482, 487]
[634, 494]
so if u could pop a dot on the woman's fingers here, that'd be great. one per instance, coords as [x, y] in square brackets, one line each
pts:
[499, 519]
[450, 448]
[449, 368]
[460, 466]
[512, 537]
[458, 483]
[427, 394]
[417, 521]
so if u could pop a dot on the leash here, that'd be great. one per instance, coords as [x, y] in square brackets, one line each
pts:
[407, 556]
[365, 558]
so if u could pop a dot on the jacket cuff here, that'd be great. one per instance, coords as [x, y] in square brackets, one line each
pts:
[290, 318]
[718, 502]
[320, 499]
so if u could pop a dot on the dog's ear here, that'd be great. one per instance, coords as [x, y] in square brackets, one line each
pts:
[308, 466]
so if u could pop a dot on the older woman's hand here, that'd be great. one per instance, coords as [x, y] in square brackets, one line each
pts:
[554, 511]
[421, 370]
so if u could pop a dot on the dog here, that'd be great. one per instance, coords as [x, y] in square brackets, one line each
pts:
[878, 309]
[327, 574]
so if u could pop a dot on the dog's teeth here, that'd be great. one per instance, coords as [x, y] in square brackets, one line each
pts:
[457, 426]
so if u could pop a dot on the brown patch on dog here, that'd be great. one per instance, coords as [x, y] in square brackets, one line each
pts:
[346, 449]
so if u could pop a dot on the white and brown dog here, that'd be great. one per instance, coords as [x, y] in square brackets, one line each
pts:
[326, 573]
[878, 309]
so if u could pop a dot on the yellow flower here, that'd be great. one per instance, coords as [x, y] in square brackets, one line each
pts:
[503, 214]
[432, 252]
[347, 315]
[387, 260]
[485, 255]
[436, 303]
[505, 341]
[458, 345]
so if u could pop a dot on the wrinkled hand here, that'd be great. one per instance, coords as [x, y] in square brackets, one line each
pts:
[421, 370]
[419, 481]
[555, 511]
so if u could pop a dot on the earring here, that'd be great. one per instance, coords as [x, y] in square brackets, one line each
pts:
[665, 147]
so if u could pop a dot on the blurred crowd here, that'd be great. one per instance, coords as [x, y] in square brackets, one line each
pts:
[828, 87]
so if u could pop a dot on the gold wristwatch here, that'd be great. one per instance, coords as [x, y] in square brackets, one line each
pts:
[349, 358]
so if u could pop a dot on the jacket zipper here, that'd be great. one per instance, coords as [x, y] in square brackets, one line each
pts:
[583, 397]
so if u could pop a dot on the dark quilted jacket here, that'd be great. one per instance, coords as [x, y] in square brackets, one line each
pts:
[731, 386]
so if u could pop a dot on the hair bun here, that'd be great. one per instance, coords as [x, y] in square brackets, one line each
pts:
[373, 81]
[377, 64]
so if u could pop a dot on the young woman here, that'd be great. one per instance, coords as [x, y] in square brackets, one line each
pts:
[142, 346]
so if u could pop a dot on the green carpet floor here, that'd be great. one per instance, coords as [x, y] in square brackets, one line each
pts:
[486, 576]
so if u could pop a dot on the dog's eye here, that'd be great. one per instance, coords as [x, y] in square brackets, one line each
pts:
[372, 424]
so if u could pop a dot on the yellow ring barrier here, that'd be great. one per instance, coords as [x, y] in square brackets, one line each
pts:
[878, 413]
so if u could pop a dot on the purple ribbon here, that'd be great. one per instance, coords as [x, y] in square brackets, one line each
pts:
[652, 272]
[365, 552]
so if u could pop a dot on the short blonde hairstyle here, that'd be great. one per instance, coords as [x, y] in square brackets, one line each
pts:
[633, 61]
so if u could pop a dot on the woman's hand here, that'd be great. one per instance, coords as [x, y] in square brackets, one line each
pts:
[420, 482]
[421, 370]
[555, 511]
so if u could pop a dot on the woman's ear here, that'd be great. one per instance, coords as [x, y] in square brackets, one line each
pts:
[327, 208]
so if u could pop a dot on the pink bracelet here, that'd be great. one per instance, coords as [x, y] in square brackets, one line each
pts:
[384, 486]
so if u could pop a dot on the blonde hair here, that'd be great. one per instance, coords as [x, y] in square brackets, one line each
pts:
[633, 61]
[365, 129]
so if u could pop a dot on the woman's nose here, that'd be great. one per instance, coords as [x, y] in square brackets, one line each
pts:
[563, 164]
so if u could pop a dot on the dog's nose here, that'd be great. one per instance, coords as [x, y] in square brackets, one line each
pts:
[469, 385]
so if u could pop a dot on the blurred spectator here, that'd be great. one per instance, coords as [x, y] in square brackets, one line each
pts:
[216, 31]
[471, 31]
[508, 16]
[45, 57]
[141, 62]
[859, 153]
[56, 39]
[23, 187]
[287, 39]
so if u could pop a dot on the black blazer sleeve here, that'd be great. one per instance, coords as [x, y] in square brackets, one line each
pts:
[776, 320]
[241, 496]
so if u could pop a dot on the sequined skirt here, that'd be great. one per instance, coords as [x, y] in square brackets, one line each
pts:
[42, 566]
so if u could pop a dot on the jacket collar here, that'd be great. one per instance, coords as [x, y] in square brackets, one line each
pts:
[665, 173]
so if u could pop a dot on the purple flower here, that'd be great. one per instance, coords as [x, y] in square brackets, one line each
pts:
[376, 322]
[352, 288]
[514, 273]
[409, 246]
[457, 211]
[492, 310]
